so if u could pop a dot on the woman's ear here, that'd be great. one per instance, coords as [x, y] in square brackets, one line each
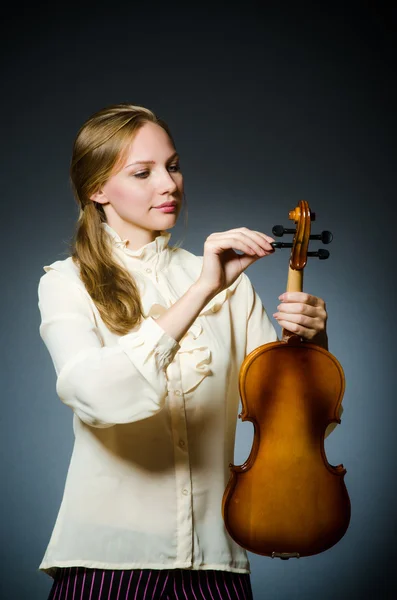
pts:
[99, 197]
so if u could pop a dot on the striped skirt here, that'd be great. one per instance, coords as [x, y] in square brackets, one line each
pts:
[79, 583]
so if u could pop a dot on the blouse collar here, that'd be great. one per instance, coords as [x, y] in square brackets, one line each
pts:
[147, 252]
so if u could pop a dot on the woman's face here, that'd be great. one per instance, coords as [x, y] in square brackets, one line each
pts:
[150, 176]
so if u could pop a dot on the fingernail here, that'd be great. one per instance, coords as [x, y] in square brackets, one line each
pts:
[282, 297]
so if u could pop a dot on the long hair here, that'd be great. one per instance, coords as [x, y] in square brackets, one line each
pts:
[100, 146]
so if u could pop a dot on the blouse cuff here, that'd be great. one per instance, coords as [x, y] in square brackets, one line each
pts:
[153, 341]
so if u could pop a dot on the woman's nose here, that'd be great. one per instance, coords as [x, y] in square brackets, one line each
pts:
[167, 182]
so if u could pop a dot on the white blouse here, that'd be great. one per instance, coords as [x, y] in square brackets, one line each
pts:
[154, 420]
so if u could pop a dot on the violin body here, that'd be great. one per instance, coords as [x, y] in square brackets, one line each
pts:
[286, 500]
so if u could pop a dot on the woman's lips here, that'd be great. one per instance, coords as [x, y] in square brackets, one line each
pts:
[167, 208]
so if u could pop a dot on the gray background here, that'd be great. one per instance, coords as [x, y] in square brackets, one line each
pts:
[269, 102]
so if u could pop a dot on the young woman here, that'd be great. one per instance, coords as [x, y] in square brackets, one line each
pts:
[147, 341]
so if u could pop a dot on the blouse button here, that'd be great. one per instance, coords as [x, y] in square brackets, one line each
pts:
[214, 308]
[185, 492]
[181, 443]
[148, 270]
[177, 393]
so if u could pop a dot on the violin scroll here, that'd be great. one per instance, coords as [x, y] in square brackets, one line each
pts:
[302, 217]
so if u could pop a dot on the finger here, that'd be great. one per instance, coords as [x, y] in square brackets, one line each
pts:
[258, 236]
[302, 297]
[221, 244]
[304, 332]
[268, 238]
[301, 323]
[235, 239]
[298, 319]
[303, 309]
[258, 245]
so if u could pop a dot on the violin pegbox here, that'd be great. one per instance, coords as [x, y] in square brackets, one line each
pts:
[302, 216]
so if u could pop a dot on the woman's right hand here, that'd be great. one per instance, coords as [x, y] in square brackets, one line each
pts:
[222, 265]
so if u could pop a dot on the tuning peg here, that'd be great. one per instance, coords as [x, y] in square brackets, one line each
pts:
[281, 244]
[279, 230]
[325, 236]
[322, 254]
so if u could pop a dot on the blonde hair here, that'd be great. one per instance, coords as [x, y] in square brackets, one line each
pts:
[100, 146]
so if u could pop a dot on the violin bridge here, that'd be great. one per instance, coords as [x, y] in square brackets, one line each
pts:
[285, 555]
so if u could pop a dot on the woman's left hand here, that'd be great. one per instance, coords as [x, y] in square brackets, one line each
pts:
[304, 315]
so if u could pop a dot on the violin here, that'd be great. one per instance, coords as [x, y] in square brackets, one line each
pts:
[286, 500]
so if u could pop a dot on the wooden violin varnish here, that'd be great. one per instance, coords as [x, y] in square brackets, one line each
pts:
[286, 500]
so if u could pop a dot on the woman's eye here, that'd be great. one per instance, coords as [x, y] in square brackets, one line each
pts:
[143, 174]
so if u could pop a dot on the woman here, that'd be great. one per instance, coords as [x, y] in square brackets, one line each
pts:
[147, 341]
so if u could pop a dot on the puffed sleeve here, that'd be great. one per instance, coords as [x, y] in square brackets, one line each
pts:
[260, 329]
[103, 385]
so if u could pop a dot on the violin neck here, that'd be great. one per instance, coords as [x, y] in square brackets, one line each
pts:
[295, 280]
[294, 284]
